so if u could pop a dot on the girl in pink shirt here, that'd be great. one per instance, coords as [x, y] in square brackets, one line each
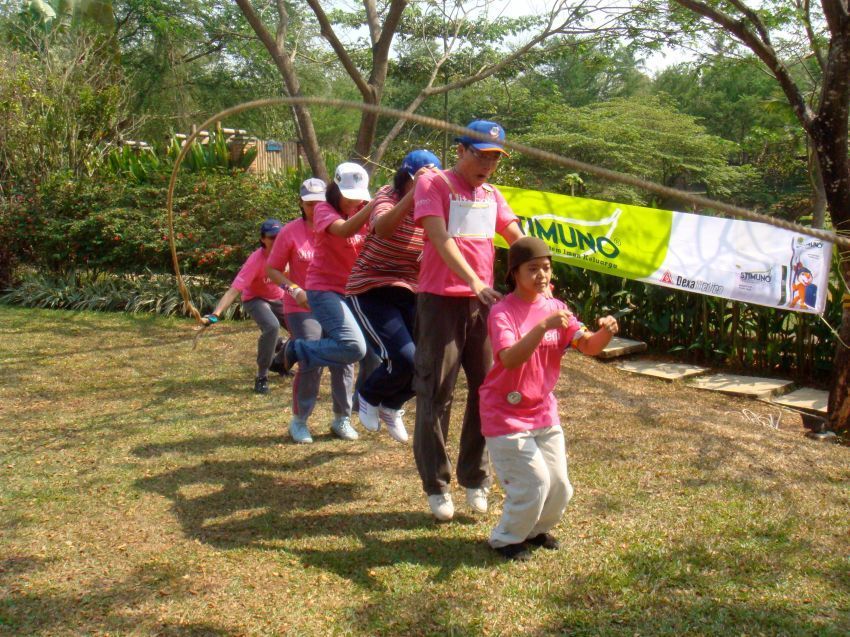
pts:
[339, 226]
[261, 298]
[529, 333]
[287, 265]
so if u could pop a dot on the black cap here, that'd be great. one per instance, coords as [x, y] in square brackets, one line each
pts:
[525, 249]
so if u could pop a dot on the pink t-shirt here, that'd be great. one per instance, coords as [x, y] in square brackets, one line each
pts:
[252, 281]
[521, 399]
[472, 217]
[293, 250]
[333, 256]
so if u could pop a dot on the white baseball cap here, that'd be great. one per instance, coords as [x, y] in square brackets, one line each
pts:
[353, 181]
[313, 189]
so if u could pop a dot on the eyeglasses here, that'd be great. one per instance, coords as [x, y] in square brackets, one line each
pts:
[485, 157]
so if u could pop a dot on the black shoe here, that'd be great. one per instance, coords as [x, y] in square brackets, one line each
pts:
[279, 344]
[517, 552]
[261, 386]
[282, 363]
[546, 540]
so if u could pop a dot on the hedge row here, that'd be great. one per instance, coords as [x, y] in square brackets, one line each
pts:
[110, 224]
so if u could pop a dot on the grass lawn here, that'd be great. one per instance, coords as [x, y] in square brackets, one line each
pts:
[145, 490]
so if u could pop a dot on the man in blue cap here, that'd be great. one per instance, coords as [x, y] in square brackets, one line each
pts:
[460, 213]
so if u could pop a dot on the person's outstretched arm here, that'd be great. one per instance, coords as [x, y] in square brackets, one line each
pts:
[224, 302]
[592, 344]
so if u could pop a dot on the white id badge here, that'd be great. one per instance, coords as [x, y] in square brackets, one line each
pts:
[473, 219]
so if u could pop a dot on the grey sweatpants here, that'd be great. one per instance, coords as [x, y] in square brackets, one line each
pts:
[305, 386]
[269, 316]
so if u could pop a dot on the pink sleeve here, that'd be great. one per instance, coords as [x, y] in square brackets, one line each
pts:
[323, 216]
[248, 272]
[503, 331]
[281, 251]
[429, 199]
[383, 205]
[504, 215]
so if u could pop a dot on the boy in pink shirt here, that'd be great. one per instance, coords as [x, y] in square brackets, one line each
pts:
[519, 414]
[460, 214]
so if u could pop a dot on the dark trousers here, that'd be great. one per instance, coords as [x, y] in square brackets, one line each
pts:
[386, 315]
[450, 333]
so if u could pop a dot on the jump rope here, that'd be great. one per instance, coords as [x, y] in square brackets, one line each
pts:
[574, 165]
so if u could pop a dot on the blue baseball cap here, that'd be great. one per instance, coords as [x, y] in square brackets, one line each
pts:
[493, 130]
[270, 227]
[416, 159]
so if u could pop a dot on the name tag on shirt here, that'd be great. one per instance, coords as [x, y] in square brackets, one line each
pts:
[472, 219]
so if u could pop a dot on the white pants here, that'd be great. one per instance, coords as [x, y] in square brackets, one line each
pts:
[532, 469]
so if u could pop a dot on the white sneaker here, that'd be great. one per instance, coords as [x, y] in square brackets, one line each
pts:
[477, 499]
[392, 419]
[368, 414]
[341, 427]
[442, 506]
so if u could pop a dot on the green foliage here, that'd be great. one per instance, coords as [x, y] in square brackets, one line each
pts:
[59, 107]
[110, 223]
[736, 101]
[63, 14]
[642, 136]
[215, 154]
[139, 165]
[101, 291]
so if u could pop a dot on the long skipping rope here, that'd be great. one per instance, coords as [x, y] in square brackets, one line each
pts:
[431, 122]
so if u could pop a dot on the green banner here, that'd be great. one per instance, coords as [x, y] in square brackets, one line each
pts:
[613, 238]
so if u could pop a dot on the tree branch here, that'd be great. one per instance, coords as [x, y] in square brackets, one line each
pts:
[835, 12]
[381, 49]
[212, 48]
[347, 63]
[763, 50]
[282, 24]
[372, 21]
[754, 19]
[486, 71]
[806, 14]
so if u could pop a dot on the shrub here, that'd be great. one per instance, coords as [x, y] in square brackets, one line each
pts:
[109, 224]
[102, 291]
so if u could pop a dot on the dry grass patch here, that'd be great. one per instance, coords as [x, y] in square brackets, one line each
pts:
[145, 490]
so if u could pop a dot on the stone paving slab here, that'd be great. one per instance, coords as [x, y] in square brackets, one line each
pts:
[805, 398]
[622, 347]
[667, 371]
[742, 385]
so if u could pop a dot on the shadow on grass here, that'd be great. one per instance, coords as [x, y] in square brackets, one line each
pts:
[202, 446]
[260, 505]
[102, 608]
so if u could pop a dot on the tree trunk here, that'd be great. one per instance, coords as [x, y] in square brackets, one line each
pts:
[839, 395]
[818, 191]
[310, 143]
[367, 131]
[292, 88]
